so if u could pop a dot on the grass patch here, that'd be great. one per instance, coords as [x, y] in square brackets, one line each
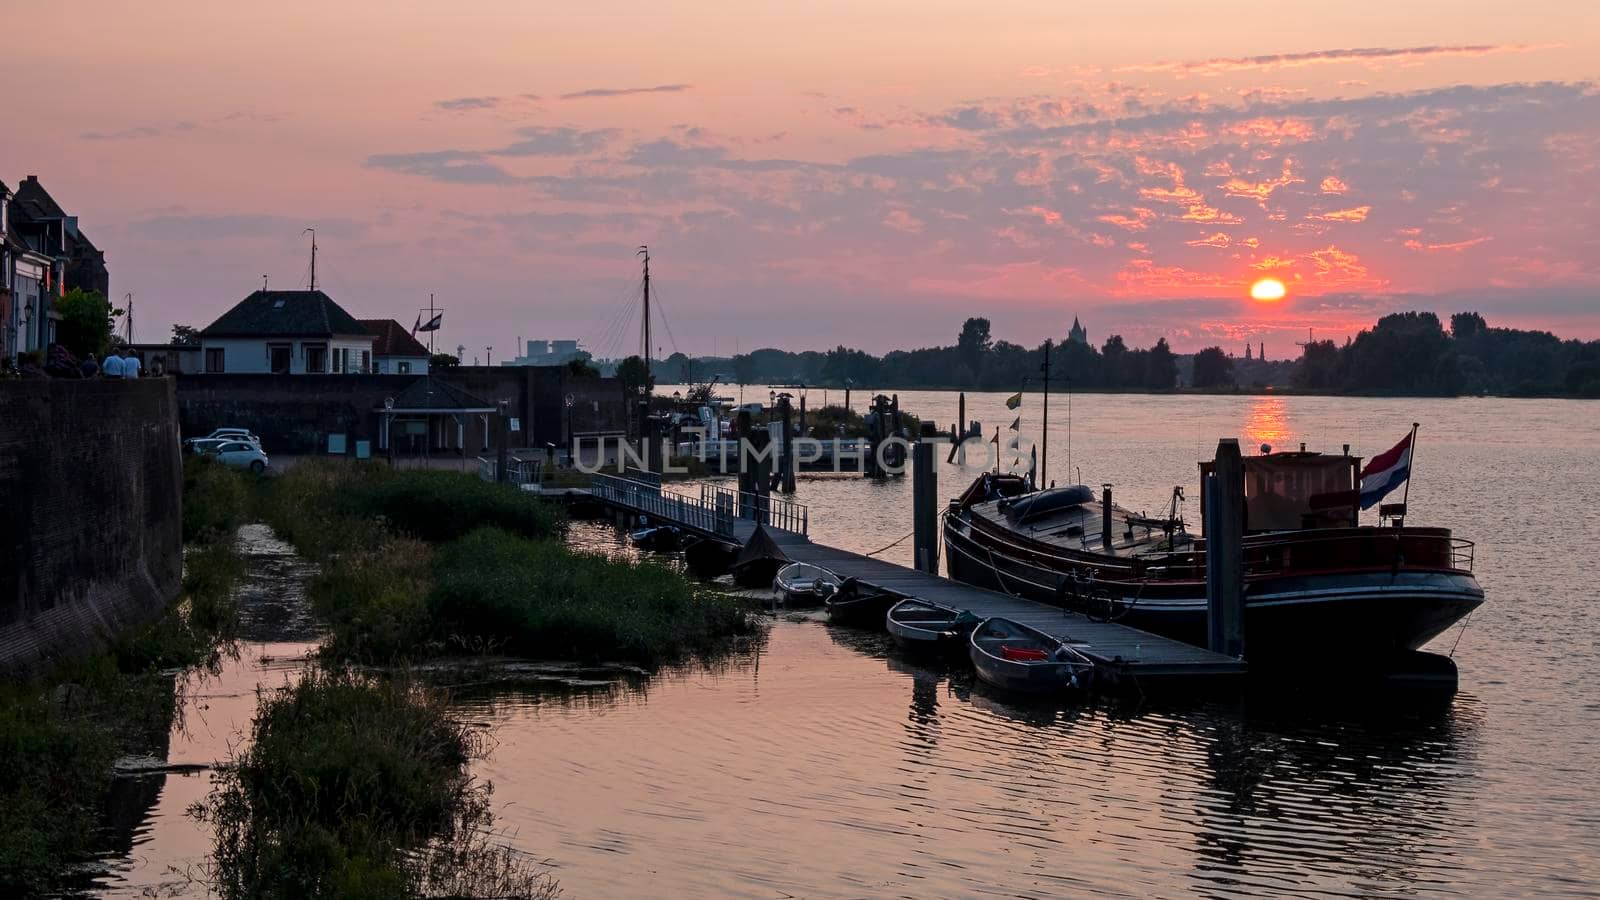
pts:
[419, 563]
[216, 500]
[328, 507]
[50, 785]
[439, 506]
[543, 599]
[357, 787]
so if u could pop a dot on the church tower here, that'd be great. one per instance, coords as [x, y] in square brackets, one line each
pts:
[1078, 334]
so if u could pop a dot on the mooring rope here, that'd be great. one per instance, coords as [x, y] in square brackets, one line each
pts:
[893, 545]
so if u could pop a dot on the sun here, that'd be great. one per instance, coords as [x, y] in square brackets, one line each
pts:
[1267, 290]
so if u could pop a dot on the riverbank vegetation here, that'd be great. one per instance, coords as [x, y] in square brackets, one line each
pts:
[354, 787]
[423, 563]
[62, 730]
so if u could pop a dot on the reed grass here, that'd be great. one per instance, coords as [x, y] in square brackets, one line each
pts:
[355, 786]
[546, 600]
[422, 563]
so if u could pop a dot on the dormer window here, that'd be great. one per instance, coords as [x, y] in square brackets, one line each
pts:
[277, 304]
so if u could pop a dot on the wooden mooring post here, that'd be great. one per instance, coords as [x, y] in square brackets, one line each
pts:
[501, 451]
[1224, 526]
[924, 503]
[786, 447]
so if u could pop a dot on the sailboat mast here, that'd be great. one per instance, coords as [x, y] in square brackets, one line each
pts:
[1044, 458]
[645, 252]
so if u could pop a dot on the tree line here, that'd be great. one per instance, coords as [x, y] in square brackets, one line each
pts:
[1409, 353]
[1412, 353]
[976, 360]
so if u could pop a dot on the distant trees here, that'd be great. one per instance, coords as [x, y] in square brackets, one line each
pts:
[443, 361]
[973, 343]
[580, 367]
[1404, 353]
[634, 375]
[185, 336]
[1411, 353]
[1161, 367]
[1212, 368]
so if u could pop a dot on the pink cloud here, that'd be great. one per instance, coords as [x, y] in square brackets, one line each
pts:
[1454, 247]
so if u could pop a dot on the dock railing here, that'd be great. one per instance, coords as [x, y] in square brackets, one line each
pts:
[519, 471]
[703, 514]
[764, 509]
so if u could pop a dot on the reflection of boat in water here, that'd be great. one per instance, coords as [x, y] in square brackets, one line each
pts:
[803, 584]
[1014, 657]
[1317, 583]
[923, 626]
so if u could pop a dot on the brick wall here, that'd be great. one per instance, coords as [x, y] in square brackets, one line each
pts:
[290, 413]
[90, 521]
[296, 413]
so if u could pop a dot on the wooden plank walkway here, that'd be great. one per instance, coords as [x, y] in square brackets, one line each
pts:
[1116, 648]
[1119, 651]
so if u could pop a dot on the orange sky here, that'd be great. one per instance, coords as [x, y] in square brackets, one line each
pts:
[860, 173]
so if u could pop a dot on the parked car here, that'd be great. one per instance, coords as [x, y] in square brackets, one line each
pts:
[223, 434]
[240, 455]
[203, 445]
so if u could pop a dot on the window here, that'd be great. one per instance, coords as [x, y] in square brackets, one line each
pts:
[214, 359]
[366, 361]
[338, 360]
[404, 368]
[316, 358]
[279, 356]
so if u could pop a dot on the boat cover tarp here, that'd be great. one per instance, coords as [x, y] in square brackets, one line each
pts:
[1045, 502]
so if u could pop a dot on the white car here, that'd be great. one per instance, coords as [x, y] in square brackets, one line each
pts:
[240, 455]
[242, 434]
[199, 444]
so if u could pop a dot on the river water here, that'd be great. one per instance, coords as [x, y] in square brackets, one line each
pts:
[823, 765]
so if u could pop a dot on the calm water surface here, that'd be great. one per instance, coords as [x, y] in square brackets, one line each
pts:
[823, 765]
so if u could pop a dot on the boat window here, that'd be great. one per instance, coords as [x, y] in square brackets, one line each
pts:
[1289, 492]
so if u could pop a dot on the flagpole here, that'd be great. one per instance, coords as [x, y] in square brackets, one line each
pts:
[1411, 468]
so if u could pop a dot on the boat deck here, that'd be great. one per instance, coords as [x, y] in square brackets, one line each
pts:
[1118, 650]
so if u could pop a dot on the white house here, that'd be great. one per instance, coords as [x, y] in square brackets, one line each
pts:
[394, 350]
[286, 332]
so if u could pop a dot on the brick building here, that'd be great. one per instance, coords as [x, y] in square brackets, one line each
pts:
[43, 254]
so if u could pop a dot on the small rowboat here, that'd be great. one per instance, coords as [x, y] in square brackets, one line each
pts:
[660, 538]
[1013, 657]
[853, 604]
[803, 584]
[927, 627]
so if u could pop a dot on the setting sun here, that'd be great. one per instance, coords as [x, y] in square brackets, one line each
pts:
[1267, 289]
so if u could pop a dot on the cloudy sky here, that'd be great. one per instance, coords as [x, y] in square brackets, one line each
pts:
[867, 173]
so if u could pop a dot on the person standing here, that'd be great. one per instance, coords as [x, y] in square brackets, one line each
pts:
[89, 368]
[130, 365]
[112, 366]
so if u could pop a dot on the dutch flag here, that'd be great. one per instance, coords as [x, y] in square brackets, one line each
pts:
[1387, 471]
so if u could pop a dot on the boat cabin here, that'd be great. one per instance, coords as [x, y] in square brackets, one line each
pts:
[1297, 490]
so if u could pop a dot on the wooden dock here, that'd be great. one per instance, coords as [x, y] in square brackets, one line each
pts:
[1117, 650]
[1120, 652]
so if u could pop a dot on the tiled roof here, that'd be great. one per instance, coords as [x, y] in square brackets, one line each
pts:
[390, 338]
[429, 393]
[310, 313]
